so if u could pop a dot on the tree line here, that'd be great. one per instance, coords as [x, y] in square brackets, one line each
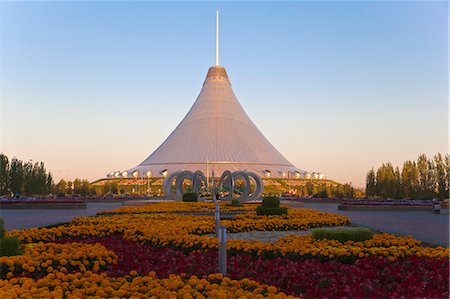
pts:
[421, 179]
[19, 178]
[79, 187]
[327, 191]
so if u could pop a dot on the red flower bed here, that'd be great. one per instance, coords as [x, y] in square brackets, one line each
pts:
[370, 277]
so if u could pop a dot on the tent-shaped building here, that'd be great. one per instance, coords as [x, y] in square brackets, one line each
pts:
[216, 135]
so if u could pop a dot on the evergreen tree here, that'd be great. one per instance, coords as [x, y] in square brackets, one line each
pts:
[447, 174]
[16, 176]
[370, 183]
[441, 176]
[398, 184]
[4, 175]
[426, 178]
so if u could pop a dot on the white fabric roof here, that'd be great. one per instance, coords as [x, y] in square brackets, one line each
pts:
[217, 134]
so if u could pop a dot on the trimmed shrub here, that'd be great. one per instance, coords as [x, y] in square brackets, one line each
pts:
[271, 202]
[266, 211]
[358, 234]
[190, 197]
[234, 201]
[2, 230]
[9, 246]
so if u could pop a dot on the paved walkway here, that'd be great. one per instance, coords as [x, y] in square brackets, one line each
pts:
[270, 236]
[424, 226]
[26, 218]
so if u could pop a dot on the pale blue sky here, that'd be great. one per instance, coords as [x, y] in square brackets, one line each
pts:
[337, 87]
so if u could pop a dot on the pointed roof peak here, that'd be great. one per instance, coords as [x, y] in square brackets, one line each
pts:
[217, 72]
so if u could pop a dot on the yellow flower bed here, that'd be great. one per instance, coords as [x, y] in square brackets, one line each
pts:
[92, 285]
[172, 207]
[166, 227]
[43, 258]
[188, 232]
[386, 245]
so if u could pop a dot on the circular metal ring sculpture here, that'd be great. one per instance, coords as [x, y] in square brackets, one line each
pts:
[245, 194]
[179, 181]
[226, 181]
[167, 186]
[197, 181]
[258, 186]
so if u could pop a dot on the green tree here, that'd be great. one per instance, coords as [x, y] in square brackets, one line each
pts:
[16, 176]
[386, 181]
[410, 179]
[398, 184]
[49, 182]
[348, 191]
[370, 183]
[447, 170]
[441, 176]
[61, 188]
[426, 179]
[309, 189]
[107, 188]
[4, 175]
[77, 187]
[69, 189]
[114, 188]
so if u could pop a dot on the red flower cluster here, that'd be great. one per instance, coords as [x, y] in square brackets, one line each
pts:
[370, 277]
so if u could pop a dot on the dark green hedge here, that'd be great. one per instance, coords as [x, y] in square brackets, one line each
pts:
[265, 211]
[190, 197]
[342, 235]
[2, 230]
[271, 202]
[9, 246]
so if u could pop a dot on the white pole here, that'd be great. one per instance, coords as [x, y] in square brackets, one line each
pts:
[217, 38]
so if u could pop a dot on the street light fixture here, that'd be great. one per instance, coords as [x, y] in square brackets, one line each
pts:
[149, 175]
[136, 175]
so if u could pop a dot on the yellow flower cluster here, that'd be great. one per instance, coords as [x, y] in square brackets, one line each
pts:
[296, 219]
[178, 207]
[92, 285]
[172, 228]
[43, 258]
[385, 245]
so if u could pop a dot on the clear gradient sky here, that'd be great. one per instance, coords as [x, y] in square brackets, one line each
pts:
[337, 87]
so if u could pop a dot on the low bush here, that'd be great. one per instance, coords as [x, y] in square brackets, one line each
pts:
[342, 235]
[9, 246]
[266, 211]
[271, 202]
[190, 197]
[2, 230]
[234, 201]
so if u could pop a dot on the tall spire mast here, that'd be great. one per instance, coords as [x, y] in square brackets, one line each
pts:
[217, 37]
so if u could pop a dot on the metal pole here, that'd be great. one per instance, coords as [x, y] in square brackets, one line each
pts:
[216, 204]
[217, 38]
[223, 250]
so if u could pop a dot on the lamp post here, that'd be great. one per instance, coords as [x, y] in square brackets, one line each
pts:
[149, 174]
[135, 175]
[221, 232]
